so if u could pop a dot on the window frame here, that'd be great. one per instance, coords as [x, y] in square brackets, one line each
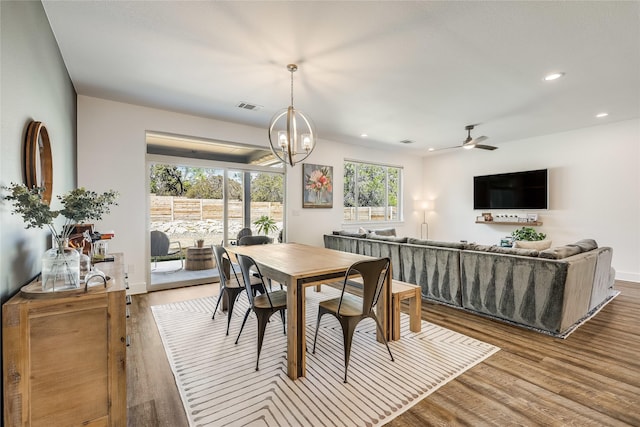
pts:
[400, 211]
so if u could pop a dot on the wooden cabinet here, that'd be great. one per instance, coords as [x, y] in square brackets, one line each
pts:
[64, 356]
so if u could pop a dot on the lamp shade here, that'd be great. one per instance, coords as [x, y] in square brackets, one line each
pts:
[423, 205]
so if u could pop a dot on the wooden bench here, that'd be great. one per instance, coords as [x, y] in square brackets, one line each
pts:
[400, 291]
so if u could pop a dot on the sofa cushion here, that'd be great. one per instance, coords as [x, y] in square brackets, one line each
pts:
[452, 245]
[349, 234]
[539, 245]
[375, 236]
[503, 250]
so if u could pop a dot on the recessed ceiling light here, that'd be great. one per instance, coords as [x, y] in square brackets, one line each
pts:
[600, 115]
[553, 76]
[431, 149]
[363, 135]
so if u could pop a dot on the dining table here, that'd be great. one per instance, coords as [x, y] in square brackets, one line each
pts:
[298, 266]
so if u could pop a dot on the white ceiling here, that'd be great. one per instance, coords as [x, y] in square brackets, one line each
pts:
[418, 70]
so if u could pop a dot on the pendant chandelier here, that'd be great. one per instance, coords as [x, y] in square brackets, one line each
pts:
[292, 136]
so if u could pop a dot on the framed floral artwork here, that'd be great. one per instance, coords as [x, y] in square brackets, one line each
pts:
[317, 186]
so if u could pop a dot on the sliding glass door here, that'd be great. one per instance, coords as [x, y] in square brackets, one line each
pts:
[192, 200]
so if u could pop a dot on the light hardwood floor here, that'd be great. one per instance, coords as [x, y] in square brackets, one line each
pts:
[590, 379]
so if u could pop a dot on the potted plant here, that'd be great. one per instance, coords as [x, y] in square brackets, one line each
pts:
[265, 224]
[60, 265]
[528, 238]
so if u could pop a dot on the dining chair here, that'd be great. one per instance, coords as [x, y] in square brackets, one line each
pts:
[350, 309]
[162, 246]
[263, 305]
[231, 286]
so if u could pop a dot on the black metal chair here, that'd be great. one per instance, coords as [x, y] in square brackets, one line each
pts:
[262, 305]
[254, 240]
[162, 246]
[231, 286]
[350, 309]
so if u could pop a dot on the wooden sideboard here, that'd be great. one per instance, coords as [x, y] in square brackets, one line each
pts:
[64, 357]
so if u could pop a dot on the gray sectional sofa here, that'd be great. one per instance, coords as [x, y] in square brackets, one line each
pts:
[550, 291]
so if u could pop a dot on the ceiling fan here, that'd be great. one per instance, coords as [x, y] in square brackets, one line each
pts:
[470, 142]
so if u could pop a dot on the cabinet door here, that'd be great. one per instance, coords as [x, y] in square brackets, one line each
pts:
[69, 367]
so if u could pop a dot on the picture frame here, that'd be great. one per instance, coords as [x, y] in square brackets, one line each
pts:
[317, 186]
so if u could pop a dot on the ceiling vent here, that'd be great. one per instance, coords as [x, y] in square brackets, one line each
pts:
[248, 106]
[406, 141]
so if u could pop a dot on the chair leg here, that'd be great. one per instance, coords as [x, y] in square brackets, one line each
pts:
[348, 328]
[232, 296]
[246, 315]
[315, 336]
[218, 303]
[383, 337]
[263, 317]
[284, 322]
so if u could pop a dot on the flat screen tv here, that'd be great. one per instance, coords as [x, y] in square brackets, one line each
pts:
[517, 190]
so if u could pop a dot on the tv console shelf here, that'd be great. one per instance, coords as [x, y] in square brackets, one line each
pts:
[524, 224]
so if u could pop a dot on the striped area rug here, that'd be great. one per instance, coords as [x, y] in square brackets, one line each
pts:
[220, 387]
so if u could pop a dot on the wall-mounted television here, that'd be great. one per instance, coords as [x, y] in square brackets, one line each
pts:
[517, 190]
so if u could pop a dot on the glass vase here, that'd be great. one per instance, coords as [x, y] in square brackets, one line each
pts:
[60, 269]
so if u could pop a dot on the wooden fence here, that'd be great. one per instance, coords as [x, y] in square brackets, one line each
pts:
[170, 208]
[369, 214]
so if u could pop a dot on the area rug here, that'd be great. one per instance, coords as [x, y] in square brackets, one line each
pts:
[219, 385]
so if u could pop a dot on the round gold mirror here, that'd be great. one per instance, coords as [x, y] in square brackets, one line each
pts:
[38, 165]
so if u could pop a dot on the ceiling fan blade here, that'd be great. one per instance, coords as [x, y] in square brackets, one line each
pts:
[479, 139]
[486, 147]
[445, 148]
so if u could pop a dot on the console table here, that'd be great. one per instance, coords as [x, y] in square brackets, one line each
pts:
[64, 356]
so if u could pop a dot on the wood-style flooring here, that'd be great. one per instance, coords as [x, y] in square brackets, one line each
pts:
[590, 379]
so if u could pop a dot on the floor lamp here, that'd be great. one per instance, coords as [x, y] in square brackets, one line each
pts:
[424, 205]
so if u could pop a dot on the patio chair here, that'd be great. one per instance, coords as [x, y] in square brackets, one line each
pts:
[350, 309]
[254, 240]
[162, 246]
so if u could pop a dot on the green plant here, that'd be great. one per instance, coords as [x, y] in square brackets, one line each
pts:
[265, 224]
[528, 233]
[78, 206]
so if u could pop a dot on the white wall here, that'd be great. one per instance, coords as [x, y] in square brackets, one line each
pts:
[594, 189]
[112, 151]
[35, 85]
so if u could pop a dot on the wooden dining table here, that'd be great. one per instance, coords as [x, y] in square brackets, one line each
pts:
[298, 266]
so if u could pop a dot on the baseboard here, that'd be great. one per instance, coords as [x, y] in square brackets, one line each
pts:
[627, 276]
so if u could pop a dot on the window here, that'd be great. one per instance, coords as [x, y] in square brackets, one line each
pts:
[372, 192]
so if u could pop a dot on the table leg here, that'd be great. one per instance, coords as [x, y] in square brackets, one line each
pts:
[295, 330]
[415, 308]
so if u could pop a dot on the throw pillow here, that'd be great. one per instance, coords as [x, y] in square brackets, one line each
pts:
[560, 252]
[385, 232]
[539, 245]
[586, 245]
